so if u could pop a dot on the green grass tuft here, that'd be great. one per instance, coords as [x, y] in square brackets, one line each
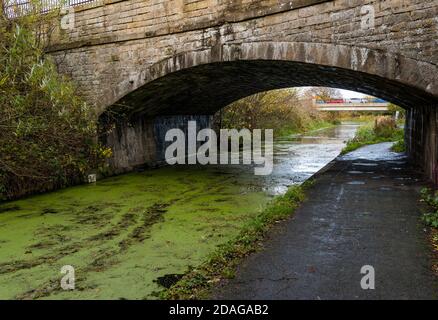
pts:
[399, 146]
[431, 198]
[366, 136]
[311, 126]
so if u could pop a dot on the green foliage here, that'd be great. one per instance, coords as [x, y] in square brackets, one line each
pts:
[399, 146]
[372, 134]
[431, 198]
[281, 110]
[46, 131]
[223, 262]
[385, 127]
[311, 126]
[394, 108]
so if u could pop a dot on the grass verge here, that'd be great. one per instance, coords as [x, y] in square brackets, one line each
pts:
[313, 126]
[431, 219]
[431, 198]
[197, 283]
[365, 136]
[433, 239]
[399, 146]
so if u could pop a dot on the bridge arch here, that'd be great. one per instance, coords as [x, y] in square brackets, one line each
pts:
[146, 59]
[222, 74]
[201, 82]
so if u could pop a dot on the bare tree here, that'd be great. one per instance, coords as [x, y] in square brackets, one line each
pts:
[323, 93]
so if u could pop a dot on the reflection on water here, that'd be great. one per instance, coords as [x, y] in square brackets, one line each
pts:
[376, 152]
[296, 158]
[126, 234]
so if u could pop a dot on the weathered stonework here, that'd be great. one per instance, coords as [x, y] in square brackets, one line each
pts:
[133, 144]
[421, 138]
[149, 58]
[140, 142]
[117, 47]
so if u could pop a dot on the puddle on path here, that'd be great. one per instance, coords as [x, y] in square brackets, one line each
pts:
[356, 183]
[376, 152]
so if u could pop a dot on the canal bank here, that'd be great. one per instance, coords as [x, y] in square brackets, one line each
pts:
[363, 210]
[127, 236]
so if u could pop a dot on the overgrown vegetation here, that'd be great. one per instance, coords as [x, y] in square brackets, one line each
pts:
[431, 198]
[285, 111]
[359, 117]
[46, 131]
[431, 219]
[384, 129]
[196, 283]
[399, 146]
[396, 109]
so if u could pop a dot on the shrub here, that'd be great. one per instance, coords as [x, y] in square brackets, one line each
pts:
[385, 127]
[281, 110]
[399, 146]
[47, 133]
[367, 135]
[431, 198]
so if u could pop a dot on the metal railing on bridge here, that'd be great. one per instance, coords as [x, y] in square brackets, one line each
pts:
[17, 8]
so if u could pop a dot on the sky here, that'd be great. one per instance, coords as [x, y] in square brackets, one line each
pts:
[351, 94]
[345, 93]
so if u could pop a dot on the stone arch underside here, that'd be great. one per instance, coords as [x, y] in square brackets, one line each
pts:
[203, 81]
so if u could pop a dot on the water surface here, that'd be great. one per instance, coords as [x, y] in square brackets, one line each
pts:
[125, 232]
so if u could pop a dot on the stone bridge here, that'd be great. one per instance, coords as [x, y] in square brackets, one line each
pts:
[148, 65]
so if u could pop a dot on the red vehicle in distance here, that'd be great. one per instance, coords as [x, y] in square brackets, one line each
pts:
[339, 101]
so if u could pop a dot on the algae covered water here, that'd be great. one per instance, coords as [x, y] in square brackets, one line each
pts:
[128, 236]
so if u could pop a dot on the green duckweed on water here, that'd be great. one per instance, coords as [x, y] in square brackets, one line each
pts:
[132, 236]
[123, 235]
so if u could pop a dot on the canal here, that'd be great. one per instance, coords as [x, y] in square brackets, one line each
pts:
[125, 232]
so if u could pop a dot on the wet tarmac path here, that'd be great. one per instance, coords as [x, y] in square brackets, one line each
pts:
[363, 210]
